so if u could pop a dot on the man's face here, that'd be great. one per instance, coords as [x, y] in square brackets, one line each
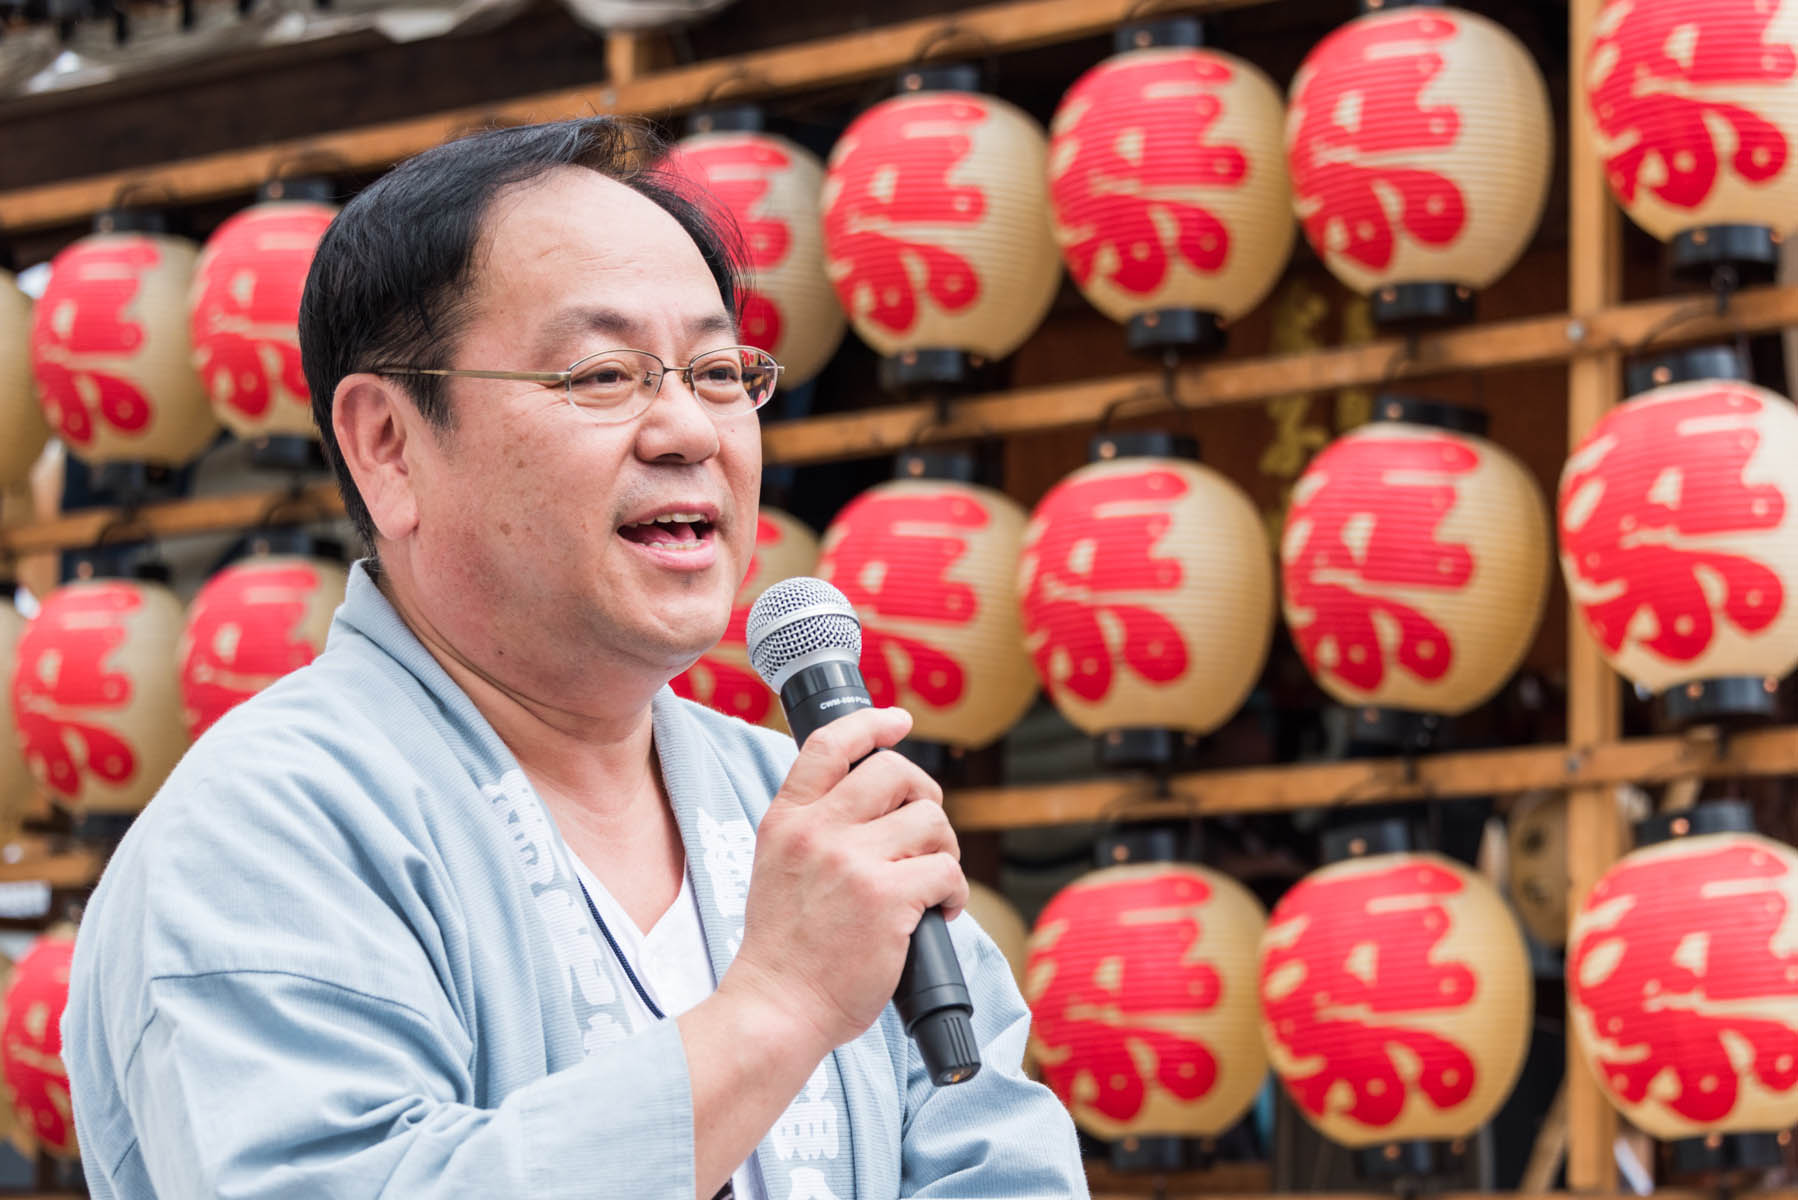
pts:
[536, 522]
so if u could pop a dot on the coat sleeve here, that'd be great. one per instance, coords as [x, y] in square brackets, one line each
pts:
[267, 1084]
[1000, 1134]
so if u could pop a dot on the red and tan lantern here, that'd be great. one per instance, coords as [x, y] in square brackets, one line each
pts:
[31, 1045]
[722, 678]
[936, 225]
[770, 186]
[112, 351]
[1167, 180]
[1141, 983]
[22, 428]
[1415, 566]
[245, 313]
[1396, 999]
[1147, 595]
[1420, 143]
[1679, 536]
[1682, 985]
[252, 623]
[930, 566]
[1694, 108]
[17, 787]
[95, 694]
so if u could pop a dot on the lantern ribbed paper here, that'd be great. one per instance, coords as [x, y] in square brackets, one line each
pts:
[930, 566]
[936, 224]
[1694, 106]
[1679, 534]
[17, 786]
[31, 1045]
[1682, 985]
[770, 187]
[1167, 176]
[111, 348]
[723, 678]
[252, 623]
[1415, 567]
[245, 311]
[22, 428]
[1147, 595]
[1420, 144]
[95, 694]
[1396, 999]
[1141, 983]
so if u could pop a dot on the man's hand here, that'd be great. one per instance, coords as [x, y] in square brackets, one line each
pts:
[846, 862]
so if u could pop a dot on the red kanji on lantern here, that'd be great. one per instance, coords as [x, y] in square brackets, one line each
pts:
[737, 172]
[1343, 1017]
[1098, 538]
[1655, 62]
[62, 679]
[245, 631]
[1657, 477]
[891, 555]
[1359, 99]
[1115, 189]
[82, 314]
[893, 170]
[1126, 958]
[1371, 507]
[31, 1044]
[247, 304]
[1681, 971]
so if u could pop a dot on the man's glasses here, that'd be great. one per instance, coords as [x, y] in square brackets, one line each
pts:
[614, 386]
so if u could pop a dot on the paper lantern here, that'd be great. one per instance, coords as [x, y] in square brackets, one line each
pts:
[31, 1045]
[1536, 863]
[1396, 999]
[770, 187]
[1147, 593]
[930, 566]
[22, 428]
[245, 313]
[1679, 538]
[1694, 109]
[252, 623]
[1682, 985]
[1167, 178]
[722, 678]
[1415, 564]
[111, 348]
[936, 225]
[1420, 144]
[95, 694]
[1000, 919]
[1141, 983]
[17, 787]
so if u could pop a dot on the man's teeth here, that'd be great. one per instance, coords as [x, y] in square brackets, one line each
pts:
[683, 518]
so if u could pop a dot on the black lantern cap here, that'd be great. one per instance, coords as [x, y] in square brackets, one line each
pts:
[942, 77]
[1728, 699]
[1683, 366]
[1420, 306]
[1749, 252]
[1167, 31]
[1713, 816]
[918, 370]
[132, 220]
[1422, 410]
[1373, 834]
[956, 465]
[1152, 443]
[1191, 330]
[728, 118]
[1147, 841]
[316, 189]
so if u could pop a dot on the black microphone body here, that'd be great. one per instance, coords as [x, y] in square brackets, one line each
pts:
[932, 997]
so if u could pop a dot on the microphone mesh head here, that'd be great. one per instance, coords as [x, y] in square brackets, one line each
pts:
[800, 618]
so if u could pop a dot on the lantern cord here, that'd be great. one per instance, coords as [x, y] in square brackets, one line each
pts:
[755, 81]
[1147, 8]
[952, 31]
[1724, 284]
[292, 507]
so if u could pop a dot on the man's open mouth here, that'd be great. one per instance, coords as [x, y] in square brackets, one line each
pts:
[672, 531]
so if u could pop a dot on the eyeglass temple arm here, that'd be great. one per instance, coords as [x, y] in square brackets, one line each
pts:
[527, 376]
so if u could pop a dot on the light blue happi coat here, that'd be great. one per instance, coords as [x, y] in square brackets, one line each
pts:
[341, 955]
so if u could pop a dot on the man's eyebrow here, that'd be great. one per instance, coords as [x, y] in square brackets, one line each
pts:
[571, 323]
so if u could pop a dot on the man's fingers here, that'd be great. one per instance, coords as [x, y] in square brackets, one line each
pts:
[833, 749]
[919, 827]
[933, 879]
[880, 785]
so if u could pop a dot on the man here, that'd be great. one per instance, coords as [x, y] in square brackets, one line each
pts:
[403, 925]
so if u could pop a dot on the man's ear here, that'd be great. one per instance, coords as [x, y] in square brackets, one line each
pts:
[373, 420]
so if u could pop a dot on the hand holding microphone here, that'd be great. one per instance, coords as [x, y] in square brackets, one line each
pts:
[855, 853]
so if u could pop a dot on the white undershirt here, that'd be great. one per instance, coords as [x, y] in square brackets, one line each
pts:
[675, 968]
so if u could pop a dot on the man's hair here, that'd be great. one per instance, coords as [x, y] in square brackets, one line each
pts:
[391, 281]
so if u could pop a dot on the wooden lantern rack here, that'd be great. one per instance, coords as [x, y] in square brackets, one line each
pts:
[1591, 338]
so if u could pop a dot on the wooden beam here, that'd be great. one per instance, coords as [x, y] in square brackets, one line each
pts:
[173, 518]
[1772, 751]
[34, 860]
[1593, 335]
[1594, 718]
[820, 63]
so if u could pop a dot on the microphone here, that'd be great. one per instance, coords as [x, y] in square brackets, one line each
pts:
[806, 643]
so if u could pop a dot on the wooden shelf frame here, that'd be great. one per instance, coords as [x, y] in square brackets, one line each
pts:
[803, 66]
